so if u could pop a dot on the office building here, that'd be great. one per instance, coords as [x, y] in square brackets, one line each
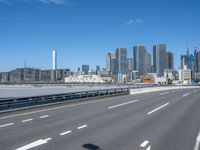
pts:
[188, 61]
[159, 59]
[148, 63]
[108, 61]
[25, 75]
[139, 57]
[198, 61]
[121, 60]
[185, 75]
[111, 65]
[4, 76]
[130, 67]
[97, 68]
[169, 60]
[85, 69]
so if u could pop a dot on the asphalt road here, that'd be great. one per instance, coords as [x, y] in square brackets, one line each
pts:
[165, 120]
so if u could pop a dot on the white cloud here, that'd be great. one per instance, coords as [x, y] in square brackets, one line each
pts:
[57, 2]
[53, 1]
[131, 21]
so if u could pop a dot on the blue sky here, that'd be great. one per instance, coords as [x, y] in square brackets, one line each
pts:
[83, 31]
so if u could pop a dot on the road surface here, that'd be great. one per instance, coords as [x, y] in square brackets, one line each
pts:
[164, 120]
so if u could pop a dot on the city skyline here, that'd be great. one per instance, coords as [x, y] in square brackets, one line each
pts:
[71, 28]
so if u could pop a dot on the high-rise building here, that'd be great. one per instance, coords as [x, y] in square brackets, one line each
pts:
[85, 69]
[121, 60]
[198, 61]
[159, 59]
[139, 57]
[195, 60]
[111, 63]
[169, 60]
[54, 61]
[97, 68]
[130, 67]
[148, 63]
[108, 61]
[187, 60]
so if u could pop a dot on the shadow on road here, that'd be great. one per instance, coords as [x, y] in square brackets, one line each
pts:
[91, 147]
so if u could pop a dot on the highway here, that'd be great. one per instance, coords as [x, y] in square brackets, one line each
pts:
[163, 120]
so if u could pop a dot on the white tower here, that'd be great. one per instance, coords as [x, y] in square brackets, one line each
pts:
[54, 54]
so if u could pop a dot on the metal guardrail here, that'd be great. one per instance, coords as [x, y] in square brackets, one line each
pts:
[15, 103]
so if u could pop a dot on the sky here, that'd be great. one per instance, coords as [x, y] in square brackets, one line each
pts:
[83, 31]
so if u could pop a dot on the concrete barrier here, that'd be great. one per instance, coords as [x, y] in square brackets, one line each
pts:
[154, 89]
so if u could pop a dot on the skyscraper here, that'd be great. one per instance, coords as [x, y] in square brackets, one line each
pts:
[195, 60]
[159, 59]
[139, 57]
[111, 63]
[54, 60]
[121, 60]
[148, 63]
[108, 61]
[169, 60]
[198, 61]
[187, 60]
[130, 67]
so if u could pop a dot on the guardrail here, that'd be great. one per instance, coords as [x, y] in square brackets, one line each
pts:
[15, 103]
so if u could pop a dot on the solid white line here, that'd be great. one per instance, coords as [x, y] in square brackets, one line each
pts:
[5, 125]
[196, 147]
[81, 127]
[46, 116]
[122, 104]
[55, 108]
[157, 108]
[144, 144]
[164, 93]
[64, 133]
[34, 144]
[186, 94]
[27, 120]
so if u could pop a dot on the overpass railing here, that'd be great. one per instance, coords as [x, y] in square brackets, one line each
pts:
[15, 103]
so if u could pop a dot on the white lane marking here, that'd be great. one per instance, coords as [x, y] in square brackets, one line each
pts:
[5, 125]
[27, 120]
[164, 93]
[195, 90]
[111, 107]
[81, 127]
[144, 143]
[196, 147]
[149, 148]
[55, 108]
[186, 94]
[64, 133]
[46, 116]
[34, 144]
[157, 108]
